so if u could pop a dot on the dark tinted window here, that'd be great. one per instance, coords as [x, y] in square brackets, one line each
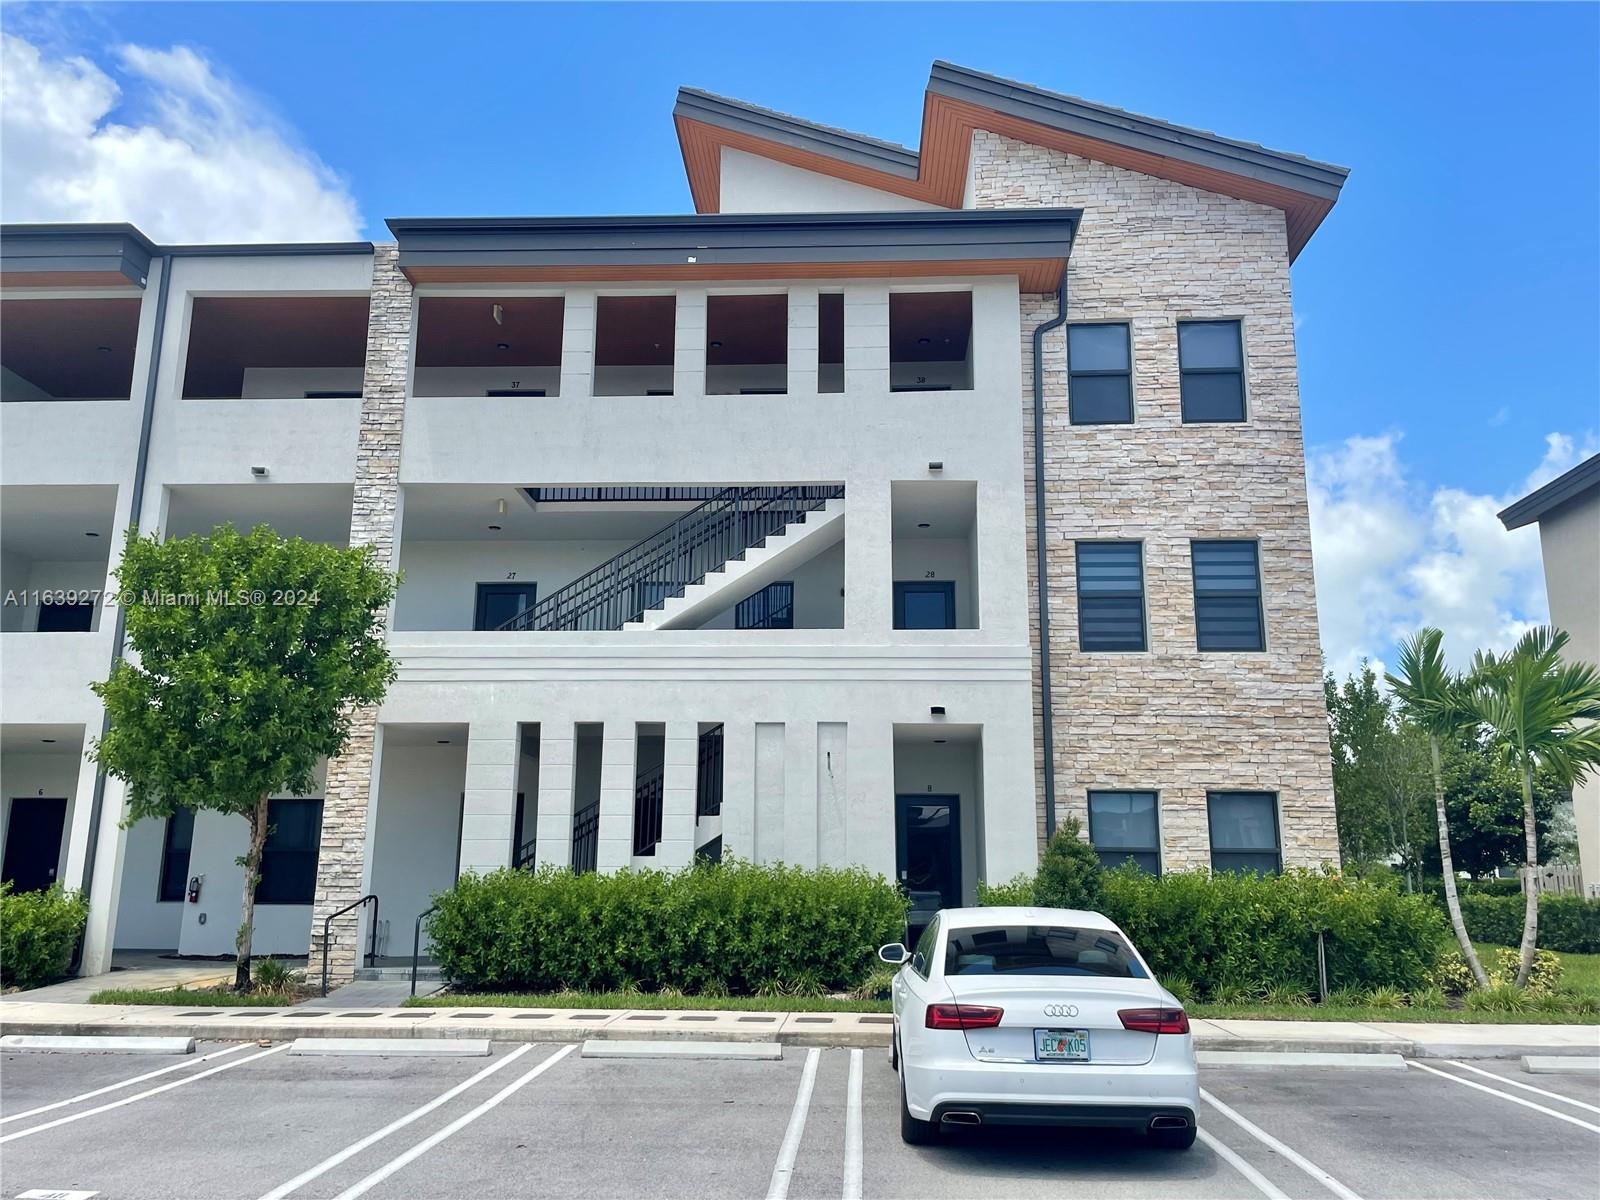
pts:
[1122, 825]
[922, 956]
[175, 855]
[289, 860]
[1101, 388]
[1227, 596]
[1211, 370]
[1244, 831]
[1110, 596]
[1039, 950]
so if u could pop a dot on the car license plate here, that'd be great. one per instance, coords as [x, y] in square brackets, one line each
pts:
[1061, 1045]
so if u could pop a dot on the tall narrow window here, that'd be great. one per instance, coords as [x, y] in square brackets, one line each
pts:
[175, 848]
[1101, 391]
[289, 859]
[1122, 825]
[1227, 596]
[1110, 596]
[1211, 370]
[1244, 831]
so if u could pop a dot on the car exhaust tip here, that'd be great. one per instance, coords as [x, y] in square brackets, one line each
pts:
[1168, 1123]
[961, 1118]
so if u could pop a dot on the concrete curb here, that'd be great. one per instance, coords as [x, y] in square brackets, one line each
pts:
[372, 1047]
[121, 1043]
[1544, 1064]
[1366, 1060]
[657, 1048]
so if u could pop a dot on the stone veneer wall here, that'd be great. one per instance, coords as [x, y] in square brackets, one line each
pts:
[1152, 252]
[341, 860]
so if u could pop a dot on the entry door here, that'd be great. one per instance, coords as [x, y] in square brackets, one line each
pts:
[33, 842]
[928, 852]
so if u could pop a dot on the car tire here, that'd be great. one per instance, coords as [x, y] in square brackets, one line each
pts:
[1173, 1139]
[912, 1131]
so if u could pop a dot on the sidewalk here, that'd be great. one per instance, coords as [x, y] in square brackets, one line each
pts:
[795, 1029]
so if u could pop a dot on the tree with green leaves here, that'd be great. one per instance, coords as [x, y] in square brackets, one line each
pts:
[1483, 802]
[249, 653]
[1433, 697]
[1541, 712]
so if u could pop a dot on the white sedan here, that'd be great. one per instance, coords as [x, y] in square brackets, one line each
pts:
[1037, 1016]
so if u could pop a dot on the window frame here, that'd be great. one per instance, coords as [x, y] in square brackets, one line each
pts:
[1123, 853]
[1259, 596]
[275, 806]
[1185, 372]
[169, 856]
[499, 587]
[1144, 619]
[1276, 850]
[1073, 374]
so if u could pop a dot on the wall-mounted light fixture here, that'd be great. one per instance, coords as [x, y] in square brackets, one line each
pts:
[936, 466]
[937, 710]
[259, 472]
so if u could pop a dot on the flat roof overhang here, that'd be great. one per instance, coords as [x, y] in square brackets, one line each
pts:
[1032, 244]
[88, 256]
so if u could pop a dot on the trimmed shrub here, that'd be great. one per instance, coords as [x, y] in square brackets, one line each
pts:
[728, 928]
[1570, 924]
[38, 931]
[1234, 935]
[1018, 893]
[1069, 871]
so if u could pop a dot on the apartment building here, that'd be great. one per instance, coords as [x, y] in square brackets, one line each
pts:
[720, 533]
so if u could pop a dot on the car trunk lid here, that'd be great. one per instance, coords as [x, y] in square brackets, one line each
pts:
[1042, 1002]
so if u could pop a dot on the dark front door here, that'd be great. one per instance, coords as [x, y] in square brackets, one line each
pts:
[499, 602]
[33, 842]
[925, 604]
[928, 853]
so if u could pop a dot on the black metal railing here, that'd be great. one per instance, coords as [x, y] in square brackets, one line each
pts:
[527, 854]
[647, 574]
[416, 944]
[372, 934]
[770, 608]
[649, 801]
[620, 492]
[708, 778]
[585, 838]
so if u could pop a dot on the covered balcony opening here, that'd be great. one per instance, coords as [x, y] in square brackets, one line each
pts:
[525, 819]
[930, 341]
[634, 345]
[934, 525]
[277, 348]
[830, 342]
[317, 512]
[68, 349]
[938, 784]
[747, 345]
[39, 767]
[489, 346]
[649, 788]
[588, 747]
[708, 783]
[55, 544]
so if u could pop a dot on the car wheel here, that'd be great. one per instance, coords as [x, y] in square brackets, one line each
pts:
[1173, 1139]
[912, 1131]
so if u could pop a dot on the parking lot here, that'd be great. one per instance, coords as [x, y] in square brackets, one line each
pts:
[240, 1120]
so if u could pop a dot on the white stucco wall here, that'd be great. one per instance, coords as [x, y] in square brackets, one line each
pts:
[751, 183]
[416, 830]
[440, 587]
[144, 921]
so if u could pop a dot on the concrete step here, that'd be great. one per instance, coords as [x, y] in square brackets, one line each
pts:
[424, 971]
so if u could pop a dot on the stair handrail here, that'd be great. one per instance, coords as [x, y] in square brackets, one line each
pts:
[416, 944]
[372, 933]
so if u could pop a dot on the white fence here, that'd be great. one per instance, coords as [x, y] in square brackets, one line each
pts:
[1553, 880]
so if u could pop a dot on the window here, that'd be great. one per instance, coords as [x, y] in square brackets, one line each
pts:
[1110, 596]
[1122, 825]
[1244, 831]
[1211, 370]
[175, 855]
[1227, 596]
[1100, 380]
[289, 859]
[925, 604]
[1040, 950]
[499, 602]
[770, 608]
[922, 956]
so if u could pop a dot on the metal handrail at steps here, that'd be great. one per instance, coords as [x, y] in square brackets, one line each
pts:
[663, 565]
[372, 934]
[416, 944]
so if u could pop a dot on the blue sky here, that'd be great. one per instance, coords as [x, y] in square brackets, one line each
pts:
[1448, 308]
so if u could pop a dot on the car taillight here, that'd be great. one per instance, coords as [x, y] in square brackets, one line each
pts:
[963, 1016]
[1155, 1020]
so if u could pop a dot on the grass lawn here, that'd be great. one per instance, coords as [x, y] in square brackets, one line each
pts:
[199, 997]
[1580, 972]
[599, 1000]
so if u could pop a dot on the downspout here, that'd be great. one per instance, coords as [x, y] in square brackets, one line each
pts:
[1046, 709]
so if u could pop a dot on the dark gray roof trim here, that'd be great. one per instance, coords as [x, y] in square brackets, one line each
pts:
[1085, 118]
[1558, 491]
[267, 249]
[1029, 233]
[55, 248]
[793, 131]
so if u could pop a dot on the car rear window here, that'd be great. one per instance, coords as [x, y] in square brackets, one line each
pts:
[1040, 950]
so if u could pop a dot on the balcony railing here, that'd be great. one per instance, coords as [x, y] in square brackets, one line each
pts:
[649, 797]
[708, 778]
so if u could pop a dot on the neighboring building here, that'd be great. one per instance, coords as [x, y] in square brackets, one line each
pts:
[1568, 512]
[718, 531]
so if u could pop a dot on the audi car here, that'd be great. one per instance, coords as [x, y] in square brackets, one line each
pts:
[1042, 1017]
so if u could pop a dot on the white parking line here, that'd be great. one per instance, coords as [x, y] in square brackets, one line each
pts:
[1263, 1185]
[852, 1130]
[1549, 1112]
[1293, 1155]
[416, 1114]
[783, 1169]
[460, 1123]
[155, 1091]
[1527, 1087]
[111, 1087]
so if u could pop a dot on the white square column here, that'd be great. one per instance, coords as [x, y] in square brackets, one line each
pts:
[680, 769]
[870, 823]
[577, 343]
[614, 848]
[866, 341]
[489, 810]
[689, 343]
[803, 323]
[868, 560]
[558, 749]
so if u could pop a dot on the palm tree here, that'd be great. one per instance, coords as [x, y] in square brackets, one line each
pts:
[1541, 714]
[1432, 697]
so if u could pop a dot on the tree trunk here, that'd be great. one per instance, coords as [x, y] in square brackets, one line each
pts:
[1530, 889]
[1447, 867]
[252, 876]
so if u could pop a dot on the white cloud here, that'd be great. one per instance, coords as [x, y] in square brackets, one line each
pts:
[202, 161]
[1393, 555]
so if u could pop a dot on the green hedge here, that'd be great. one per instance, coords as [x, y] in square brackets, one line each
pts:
[1570, 924]
[730, 926]
[38, 931]
[1233, 933]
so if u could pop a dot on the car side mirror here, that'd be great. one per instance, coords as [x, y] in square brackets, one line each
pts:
[894, 954]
